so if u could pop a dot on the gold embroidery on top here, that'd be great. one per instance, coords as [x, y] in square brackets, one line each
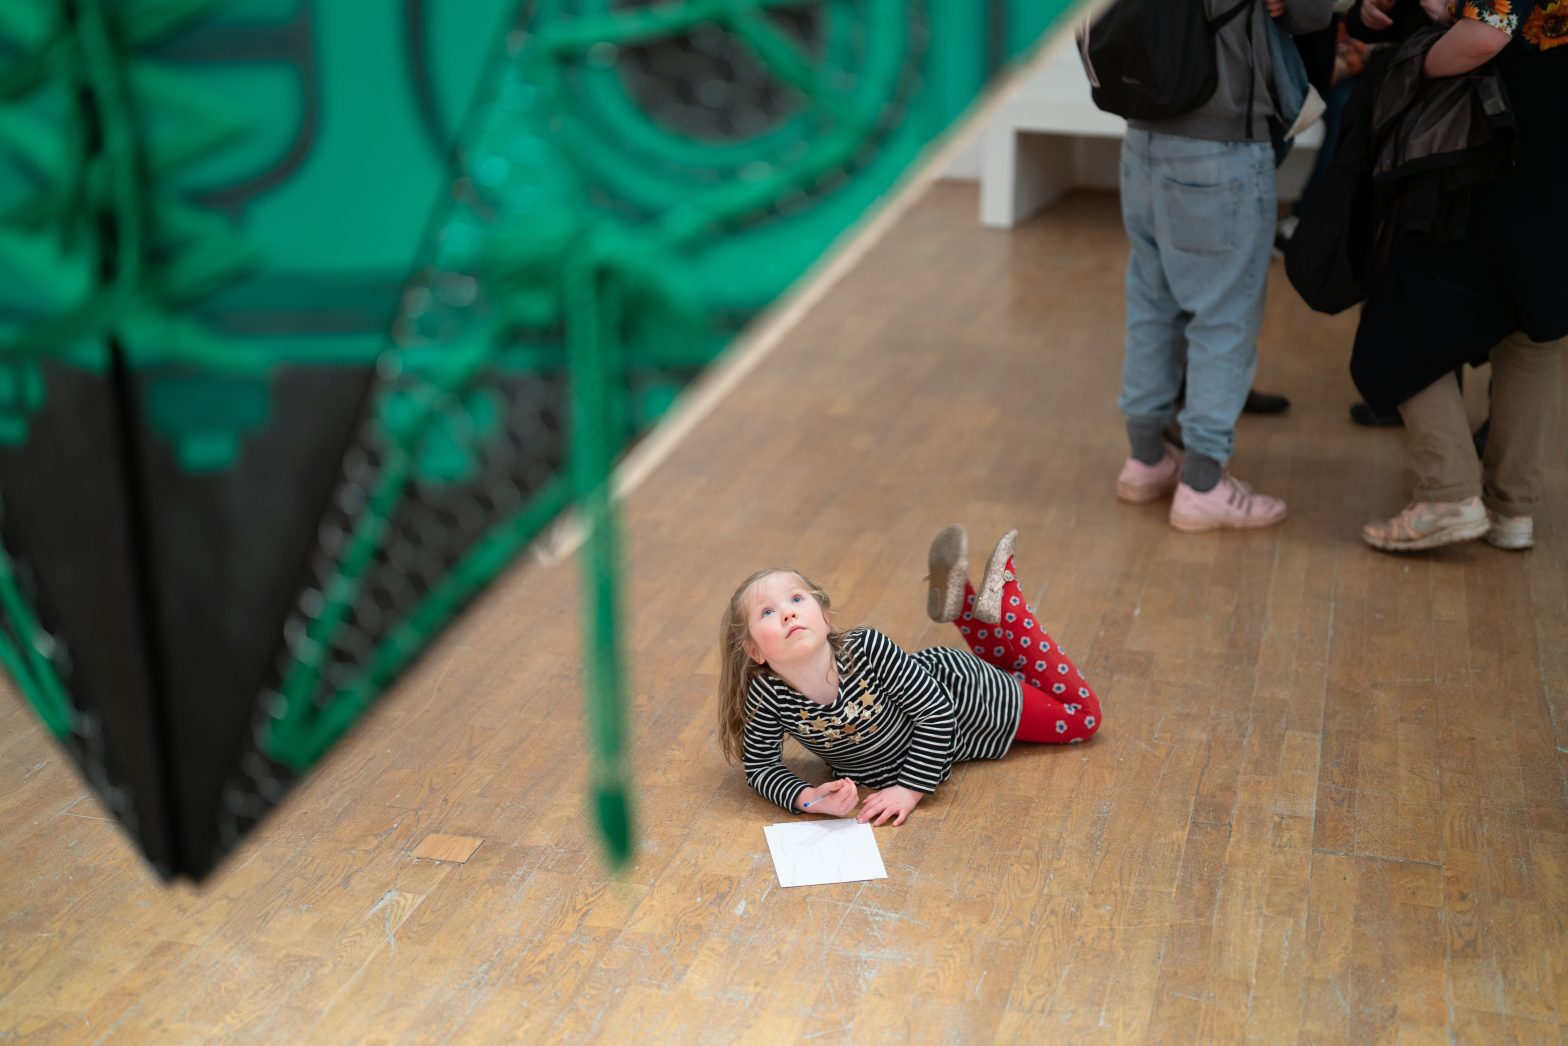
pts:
[852, 722]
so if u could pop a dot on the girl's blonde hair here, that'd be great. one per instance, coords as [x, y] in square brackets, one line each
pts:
[737, 669]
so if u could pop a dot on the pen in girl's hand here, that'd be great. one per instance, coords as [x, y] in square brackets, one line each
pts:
[812, 802]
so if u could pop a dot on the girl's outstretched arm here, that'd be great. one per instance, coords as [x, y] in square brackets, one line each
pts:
[763, 753]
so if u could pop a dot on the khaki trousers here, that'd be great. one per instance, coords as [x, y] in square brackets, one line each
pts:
[1525, 398]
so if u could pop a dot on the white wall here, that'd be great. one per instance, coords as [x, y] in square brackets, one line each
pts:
[1044, 135]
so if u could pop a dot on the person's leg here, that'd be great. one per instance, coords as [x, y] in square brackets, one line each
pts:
[1437, 441]
[1526, 391]
[1214, 207]
[983, 638]
[1048, 719]
[1059, 704]
[1152, 351]
[1445, 504]
[1017, 642]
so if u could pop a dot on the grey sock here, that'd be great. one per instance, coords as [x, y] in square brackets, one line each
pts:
[1200, 473]
[1147, 440]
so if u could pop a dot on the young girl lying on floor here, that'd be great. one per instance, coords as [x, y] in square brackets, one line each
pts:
[879, 717]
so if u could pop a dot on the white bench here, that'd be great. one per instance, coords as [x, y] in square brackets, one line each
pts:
[1047, 137]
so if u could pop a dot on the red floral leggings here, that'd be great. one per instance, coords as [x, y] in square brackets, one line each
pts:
[1059, 707]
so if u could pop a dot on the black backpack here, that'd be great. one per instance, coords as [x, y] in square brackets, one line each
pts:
[1331, 259]
[1152, 59]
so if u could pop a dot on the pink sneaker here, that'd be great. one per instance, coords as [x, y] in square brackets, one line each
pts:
[1231, 505]
[1139, 483]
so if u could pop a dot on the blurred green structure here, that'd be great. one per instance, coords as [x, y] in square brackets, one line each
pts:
[314, 314]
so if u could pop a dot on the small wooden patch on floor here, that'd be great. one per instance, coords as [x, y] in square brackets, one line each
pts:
[455, 848]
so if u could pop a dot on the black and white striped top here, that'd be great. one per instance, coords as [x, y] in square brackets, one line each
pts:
[899, 718]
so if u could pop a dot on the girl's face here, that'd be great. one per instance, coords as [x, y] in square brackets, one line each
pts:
[785, 622]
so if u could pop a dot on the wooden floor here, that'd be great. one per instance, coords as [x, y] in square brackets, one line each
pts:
[1328, 803]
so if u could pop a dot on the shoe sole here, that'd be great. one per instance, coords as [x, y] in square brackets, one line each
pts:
[1450, 535]
[1136, 494]
[949, 567]
[988, 601]
[1193, 525]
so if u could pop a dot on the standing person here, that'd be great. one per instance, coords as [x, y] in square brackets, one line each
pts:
[1494, 289]
[1199, 207]
[880, 717]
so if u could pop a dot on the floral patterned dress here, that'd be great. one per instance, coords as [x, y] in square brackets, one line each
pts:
[1542, 26]
[1535, 62]
[1529, 225]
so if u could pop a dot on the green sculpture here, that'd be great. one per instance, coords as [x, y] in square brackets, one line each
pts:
[349, 363]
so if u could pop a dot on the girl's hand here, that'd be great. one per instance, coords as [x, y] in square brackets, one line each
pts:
[1276, 7]
[894, 802]
[834, 799]
[1437, 11]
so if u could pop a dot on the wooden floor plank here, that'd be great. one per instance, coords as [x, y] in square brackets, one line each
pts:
[1328, 802]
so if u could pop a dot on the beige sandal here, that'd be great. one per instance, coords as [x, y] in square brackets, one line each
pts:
[949, 562]
[988, 601]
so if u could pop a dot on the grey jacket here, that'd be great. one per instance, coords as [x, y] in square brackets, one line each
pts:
[1241, 57]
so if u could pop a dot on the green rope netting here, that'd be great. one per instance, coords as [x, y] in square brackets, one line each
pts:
[101, 262]
[625, 293]
[588, 259]
[115, 258]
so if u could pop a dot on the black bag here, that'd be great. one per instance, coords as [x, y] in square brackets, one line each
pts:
[1152, 59]
[1331, 258]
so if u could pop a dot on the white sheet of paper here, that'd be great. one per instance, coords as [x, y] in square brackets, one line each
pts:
[813, 853]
